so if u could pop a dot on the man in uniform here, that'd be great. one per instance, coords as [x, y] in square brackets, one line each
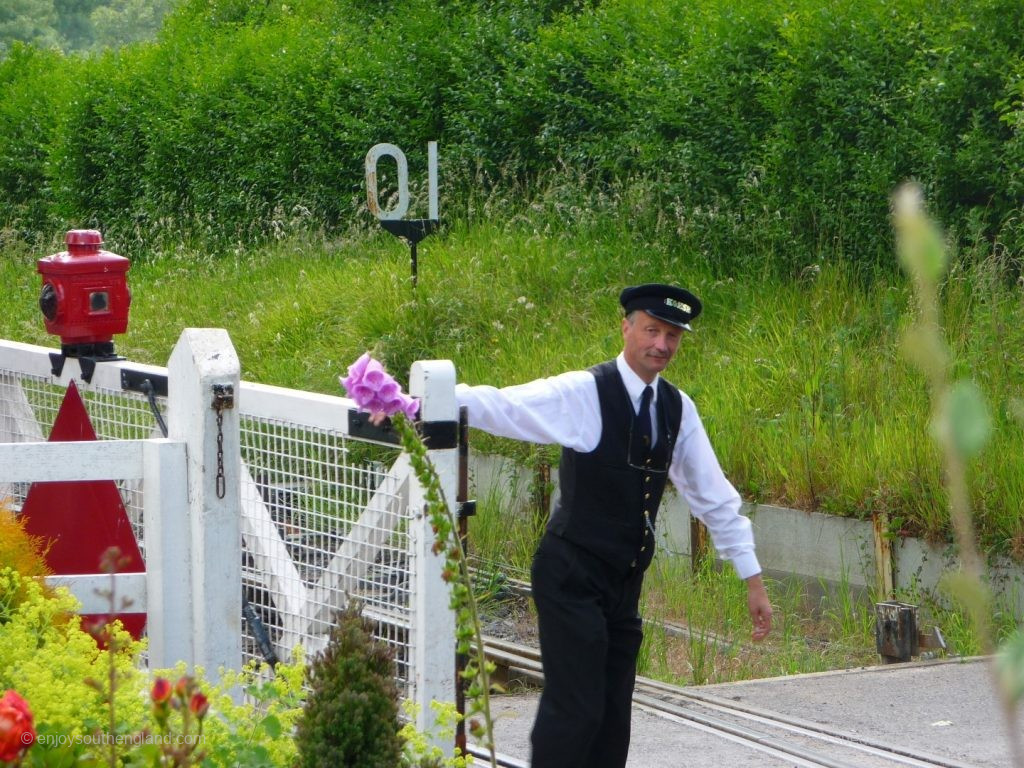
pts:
[624, 432]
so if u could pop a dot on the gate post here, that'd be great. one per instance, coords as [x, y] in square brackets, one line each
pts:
[433, 626]
[203, 382]
[169, 622]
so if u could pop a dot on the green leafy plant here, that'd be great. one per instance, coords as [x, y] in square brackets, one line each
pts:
[50, 660]
[257, 731]
[351, 713]
[420, 749]
[961, 425]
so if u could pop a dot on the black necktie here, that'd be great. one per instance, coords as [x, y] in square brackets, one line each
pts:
[642, 428]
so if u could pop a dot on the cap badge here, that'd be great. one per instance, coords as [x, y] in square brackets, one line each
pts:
[681, 305]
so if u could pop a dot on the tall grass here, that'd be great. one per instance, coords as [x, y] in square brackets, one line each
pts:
[801, 384]
[815, 627]
[807, 634]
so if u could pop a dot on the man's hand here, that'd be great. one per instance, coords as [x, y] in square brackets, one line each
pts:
[760, 607]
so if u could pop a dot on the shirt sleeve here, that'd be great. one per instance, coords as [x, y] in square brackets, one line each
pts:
[712, 499]
[561, 410]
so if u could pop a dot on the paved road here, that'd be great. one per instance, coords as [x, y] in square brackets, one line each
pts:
[944, 710]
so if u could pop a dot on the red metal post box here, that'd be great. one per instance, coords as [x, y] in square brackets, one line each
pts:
[85, 296]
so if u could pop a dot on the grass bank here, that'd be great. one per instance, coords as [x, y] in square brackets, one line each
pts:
[802, 384]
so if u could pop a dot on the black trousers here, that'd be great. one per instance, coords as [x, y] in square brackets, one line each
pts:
[590, 635]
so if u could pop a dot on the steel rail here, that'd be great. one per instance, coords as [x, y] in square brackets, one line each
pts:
[669, 700]
[895, 752]
[502, 760]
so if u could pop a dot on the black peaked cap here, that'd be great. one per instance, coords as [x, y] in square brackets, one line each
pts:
[666, 302]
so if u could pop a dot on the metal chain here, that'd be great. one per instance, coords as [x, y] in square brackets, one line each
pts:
[221, 482]
[223, 398]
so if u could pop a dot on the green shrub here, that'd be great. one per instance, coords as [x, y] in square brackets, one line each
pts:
[35, 88]
[47, 657]
[765, 135]
[868, 95]
[54, 665]
[100, 152]
[351, 713]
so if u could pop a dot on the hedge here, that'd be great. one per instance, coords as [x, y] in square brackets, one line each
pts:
[770, 130]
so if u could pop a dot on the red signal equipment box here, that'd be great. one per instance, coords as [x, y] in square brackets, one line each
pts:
[85, 296]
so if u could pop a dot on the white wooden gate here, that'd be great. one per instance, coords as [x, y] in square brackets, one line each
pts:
[318, 507]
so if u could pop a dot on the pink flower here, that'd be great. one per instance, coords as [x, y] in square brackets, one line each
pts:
[355, 371]
[375, 391]
[17, 731]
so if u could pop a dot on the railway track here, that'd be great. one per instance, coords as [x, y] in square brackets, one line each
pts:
[796, 741]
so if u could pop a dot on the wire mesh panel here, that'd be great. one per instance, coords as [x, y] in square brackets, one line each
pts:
[326, 524]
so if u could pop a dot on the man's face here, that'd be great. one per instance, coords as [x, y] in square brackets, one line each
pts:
[649, 344]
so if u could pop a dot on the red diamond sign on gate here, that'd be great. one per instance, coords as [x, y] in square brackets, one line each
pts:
[82, 519]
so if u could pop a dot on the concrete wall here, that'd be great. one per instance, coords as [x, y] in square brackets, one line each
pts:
[811, 546]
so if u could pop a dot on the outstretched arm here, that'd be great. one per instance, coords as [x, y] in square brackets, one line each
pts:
[560, 410]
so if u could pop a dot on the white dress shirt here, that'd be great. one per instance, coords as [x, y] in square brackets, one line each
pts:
[564, 410]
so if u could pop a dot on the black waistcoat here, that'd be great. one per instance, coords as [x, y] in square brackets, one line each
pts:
[605, 493]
